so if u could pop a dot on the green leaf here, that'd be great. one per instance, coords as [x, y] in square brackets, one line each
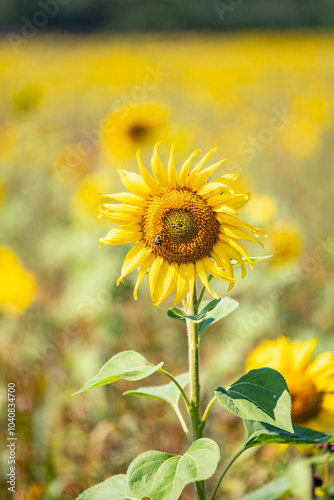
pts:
[271, 491]
[252, 259]
[115, 488]
[177, 313]
[161, 476]
[224, 307]
[169, 393]
[126, 365]
[260, 394]
[261, 433]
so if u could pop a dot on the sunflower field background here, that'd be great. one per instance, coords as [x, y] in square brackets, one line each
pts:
[73, 108]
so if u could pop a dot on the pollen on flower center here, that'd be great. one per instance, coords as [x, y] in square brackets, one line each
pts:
[179, 225]
[306, 400]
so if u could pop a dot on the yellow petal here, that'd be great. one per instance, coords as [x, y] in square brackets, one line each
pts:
[302, 353]
[221, 257]
[119, 207]
[182, 284]
[134, 183]
[233, 221]
[121, 236]
[224, 208]
[235, 232]
[212, 190]
[184, 172]
[234, 254]
[191, 271]
[143, 270]
[154, 277]
[122, 218]
[200, 269]
[169, 282]
[171, 172]
[240, 200]
[147, 177]
[127, 198]
[213, 269]
[196, 170]
[158, 168]
[133, 259]
[197, 180]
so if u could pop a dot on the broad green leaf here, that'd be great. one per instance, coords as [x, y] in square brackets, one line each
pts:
[260, 394]
[167, 392]
[261, 433]
[224, 307]
[180, 314]
[126, 365]
[161, 476]
[252, 259]
[271, 491]
[113, 488]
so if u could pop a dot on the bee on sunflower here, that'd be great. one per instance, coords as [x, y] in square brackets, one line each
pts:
[181, 224]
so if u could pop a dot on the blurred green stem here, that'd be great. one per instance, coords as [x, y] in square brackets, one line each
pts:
[233, 459]
[193, 350]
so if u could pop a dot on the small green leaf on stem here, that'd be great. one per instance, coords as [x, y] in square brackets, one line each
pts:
[224, 307]
[126, 365]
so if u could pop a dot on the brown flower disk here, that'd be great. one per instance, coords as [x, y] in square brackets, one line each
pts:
[186, 226]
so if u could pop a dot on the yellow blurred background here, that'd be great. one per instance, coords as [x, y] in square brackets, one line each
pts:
[72, 109]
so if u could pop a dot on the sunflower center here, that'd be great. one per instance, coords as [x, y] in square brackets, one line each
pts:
[137, 132]
[179, 225]
[306, 400]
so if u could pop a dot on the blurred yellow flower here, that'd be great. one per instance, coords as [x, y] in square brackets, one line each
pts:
[17, 285]
[133, 126]
[285, 238]
[84, 201]
[311, 383]
[181, 224]
[262, 209]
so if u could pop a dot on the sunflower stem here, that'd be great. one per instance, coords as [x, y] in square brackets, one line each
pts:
[194, 410]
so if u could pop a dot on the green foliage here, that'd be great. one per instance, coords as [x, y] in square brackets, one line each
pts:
[126, 365]
[260, 433]
[169, 393]
[224, 307]
[271, 491]
[113, 488]
[260, 394]
[177, 313]
[213, 311]
[161, 476]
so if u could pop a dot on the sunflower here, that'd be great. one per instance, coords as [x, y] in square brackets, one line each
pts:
[181, 224]
[133, 126]
[311, 383]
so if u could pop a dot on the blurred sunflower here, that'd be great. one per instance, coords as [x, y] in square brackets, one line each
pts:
[311, 384]
[130, 127]
[286, 241]
[17, 285]
[182, 225]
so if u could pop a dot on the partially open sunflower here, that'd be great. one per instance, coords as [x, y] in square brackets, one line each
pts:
[181, 224]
